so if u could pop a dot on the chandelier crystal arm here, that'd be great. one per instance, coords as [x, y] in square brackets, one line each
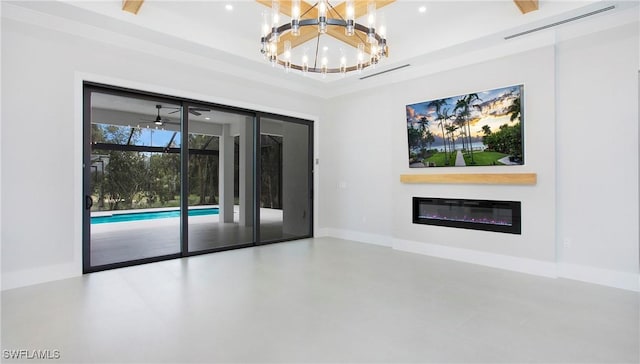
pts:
[336, 12]
[351, 41]
[306, 34]
[304, 14]
[314, 22]
[315, 61]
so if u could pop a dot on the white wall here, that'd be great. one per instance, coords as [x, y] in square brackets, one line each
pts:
[372, 153]
[581, 113]
[597, 113]
[42, 71]
[357, 183]
[534, 69]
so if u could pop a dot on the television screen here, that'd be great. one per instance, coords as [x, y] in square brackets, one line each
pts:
[478, 129]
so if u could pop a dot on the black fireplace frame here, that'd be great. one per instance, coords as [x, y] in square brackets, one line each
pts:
[514, 206]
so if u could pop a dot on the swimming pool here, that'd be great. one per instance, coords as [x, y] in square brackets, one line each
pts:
[149, 215]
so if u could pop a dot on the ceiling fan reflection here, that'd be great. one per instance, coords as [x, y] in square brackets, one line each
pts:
[160, 121]
[192, 110]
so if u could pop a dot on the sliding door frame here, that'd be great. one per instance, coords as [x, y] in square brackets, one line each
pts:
[185, 103]
[88, 89]
[184, 198]
[258, 172]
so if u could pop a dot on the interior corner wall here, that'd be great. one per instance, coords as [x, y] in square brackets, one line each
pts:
[597, 150]
[41, 153]
[356, 157]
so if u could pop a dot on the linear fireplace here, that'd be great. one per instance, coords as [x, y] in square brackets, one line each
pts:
[498, 216]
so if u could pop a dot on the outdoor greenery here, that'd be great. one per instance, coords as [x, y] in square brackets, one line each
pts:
[454, 126]
[441, 159]
[485, 158]
[508, 139]
[138, 179]
[203, 171]
[463, 106]
[271, 172]
[421, 137]
[134, 180]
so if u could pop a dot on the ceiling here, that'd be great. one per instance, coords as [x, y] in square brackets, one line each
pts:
[129, 111]
[230, 39]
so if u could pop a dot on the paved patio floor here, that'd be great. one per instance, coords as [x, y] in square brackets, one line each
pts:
[124, 241]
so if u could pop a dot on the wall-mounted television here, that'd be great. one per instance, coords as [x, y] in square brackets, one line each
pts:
[483, 128]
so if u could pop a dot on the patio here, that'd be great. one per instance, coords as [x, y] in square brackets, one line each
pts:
[124, 241]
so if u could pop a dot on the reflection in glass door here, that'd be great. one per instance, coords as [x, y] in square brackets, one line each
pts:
[286, 206]
[220, 179]
[134, 185]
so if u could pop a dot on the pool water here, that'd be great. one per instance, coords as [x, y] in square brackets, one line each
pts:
[149, 215]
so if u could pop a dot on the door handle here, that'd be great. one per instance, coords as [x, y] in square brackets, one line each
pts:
[88, 202]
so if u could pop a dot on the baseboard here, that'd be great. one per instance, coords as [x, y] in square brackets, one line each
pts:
[321, 232]
[522, 265]
[29, 277]
[375, 239]
[604, 277]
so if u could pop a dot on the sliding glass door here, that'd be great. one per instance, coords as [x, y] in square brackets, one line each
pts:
[286, 180]
[166, 177]
[133, 189]
[221, 180]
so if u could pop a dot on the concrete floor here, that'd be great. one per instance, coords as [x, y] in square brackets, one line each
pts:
[321, 300]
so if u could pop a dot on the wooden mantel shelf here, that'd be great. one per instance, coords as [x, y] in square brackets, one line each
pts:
[473, 178]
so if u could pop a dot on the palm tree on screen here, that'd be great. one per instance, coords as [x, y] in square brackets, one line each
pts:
[463, 107]
[438, 104]
[443, 116]
[451, 129]
[514, 109]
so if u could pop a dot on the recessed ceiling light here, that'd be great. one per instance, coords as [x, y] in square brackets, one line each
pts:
[325, 48]
[422, 9]
[229, 7]
[207, 118]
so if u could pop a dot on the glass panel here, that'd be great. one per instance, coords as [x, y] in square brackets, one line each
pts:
[221, 199]
[135, 187]
[136, 135]
[285, 202]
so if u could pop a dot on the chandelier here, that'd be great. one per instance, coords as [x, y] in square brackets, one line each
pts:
[322, 18]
